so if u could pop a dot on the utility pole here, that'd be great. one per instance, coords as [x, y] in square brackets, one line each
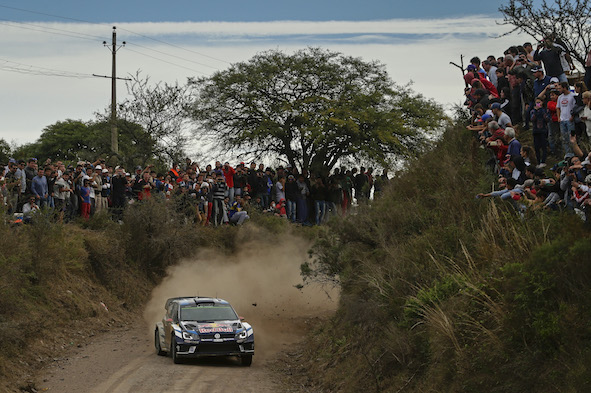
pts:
[114, 133]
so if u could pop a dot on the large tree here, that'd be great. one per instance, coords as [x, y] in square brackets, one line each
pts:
[312, 109]
[161, 109]
[568, 20]
[74, 140]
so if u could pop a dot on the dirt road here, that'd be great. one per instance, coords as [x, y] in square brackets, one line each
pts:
[123, 362]
[259, 282]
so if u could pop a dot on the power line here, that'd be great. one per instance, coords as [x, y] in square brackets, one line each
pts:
[167, 62]
[45, 30]
[120, 28]
[168, 54]
[176, 46]
[21, 68]
[44, 14]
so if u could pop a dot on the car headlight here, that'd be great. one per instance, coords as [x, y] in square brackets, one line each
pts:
[240, 337]
[190, 336]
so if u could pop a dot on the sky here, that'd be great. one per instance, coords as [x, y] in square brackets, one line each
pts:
[51, 49]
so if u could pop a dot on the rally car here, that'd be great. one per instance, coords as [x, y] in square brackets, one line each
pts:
[197, 326]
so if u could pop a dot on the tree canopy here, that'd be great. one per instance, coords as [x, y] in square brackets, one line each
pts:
[312, 109]
[569, 21]
[161, 109]
[75, 140]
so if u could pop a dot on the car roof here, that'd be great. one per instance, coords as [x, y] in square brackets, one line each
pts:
[193, 300]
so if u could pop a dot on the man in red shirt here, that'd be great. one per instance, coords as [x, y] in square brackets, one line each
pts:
[229, 175]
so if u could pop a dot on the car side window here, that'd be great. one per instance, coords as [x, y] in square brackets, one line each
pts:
[175, 313]
[169, 311]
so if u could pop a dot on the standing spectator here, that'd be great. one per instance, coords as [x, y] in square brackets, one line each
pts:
[39, 188]
[491, 71]
[360, 184]
[105, 189]
[85, 199]
[381, 183]
[540, 83]
[564, 107]
[540, 118]
[549, 55]
[219, 192]
[30, 172]
[119, 186]
[502, 80]
[145, 186]
[588, 69]
[554, 125]
[174, 172]
[291, 194]
[318, 193]
[529, 53]
[280, 189]
[97, 185]
[62, 193]
[586, 114]
[90, 176]
[302, 202]
[20, 174]
[577, 111]
[13, 184]
[266, 195]
[229, 173]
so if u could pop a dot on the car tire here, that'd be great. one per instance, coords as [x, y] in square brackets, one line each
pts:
[157, 345]
[175, 358]
[246, 360]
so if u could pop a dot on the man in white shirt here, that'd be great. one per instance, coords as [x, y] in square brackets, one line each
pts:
[586, 115]
[564, 106]
[501, 117]
[491, 71]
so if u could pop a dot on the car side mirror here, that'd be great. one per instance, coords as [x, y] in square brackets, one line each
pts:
[241, 319]
[169, 320]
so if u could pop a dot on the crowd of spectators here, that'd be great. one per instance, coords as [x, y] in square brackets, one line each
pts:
[214, 195]
[529, 91]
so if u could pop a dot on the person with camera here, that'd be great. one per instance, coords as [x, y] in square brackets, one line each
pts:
[550, 56]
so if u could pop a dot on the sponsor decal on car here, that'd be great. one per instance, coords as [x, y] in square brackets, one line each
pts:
[215, 328]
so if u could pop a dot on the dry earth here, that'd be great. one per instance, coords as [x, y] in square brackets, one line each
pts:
[260, 282]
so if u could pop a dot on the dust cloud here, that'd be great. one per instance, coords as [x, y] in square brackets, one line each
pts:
[259, 281]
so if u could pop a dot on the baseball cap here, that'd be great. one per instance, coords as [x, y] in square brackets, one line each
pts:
[496, 105]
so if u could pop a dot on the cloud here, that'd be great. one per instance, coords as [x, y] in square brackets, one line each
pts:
[417, 50]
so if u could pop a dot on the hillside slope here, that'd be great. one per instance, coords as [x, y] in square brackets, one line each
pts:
[443, 292]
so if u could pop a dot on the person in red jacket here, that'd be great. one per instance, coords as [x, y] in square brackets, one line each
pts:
[229, 173]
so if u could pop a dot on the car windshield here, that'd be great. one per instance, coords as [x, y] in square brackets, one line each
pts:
[208, 313]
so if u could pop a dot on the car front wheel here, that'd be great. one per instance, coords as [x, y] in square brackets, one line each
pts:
[173, 354]
[246, 360]
[159, 350]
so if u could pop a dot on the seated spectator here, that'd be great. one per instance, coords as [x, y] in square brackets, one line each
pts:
[29, 209]
[236, 213]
